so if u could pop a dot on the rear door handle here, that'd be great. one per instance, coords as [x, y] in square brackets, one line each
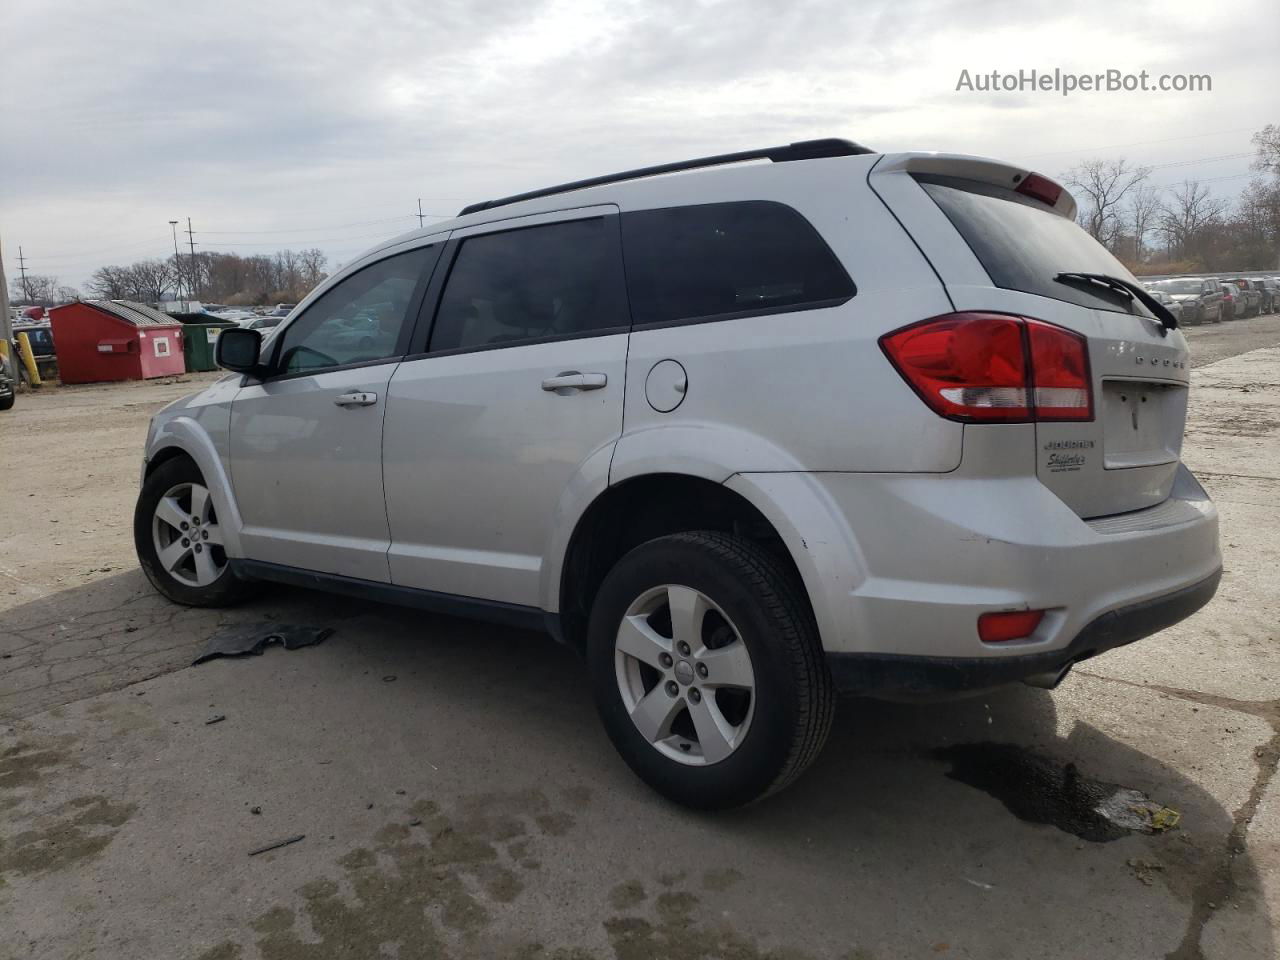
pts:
[357, 398]
[571, 381]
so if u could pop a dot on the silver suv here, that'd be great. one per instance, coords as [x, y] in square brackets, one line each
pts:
[747, 431]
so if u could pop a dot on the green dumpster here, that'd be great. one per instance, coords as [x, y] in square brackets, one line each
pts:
[198, 341]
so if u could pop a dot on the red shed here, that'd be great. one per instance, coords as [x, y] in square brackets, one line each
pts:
[115, 340]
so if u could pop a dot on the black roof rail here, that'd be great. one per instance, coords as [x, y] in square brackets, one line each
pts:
[803, 150]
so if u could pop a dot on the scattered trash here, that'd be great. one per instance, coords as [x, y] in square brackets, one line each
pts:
[368, 806]
[251, 638]
[979, 884]
[401, 793]
[255, 810]
[278, 844]
[216, 718]
[1137, 813]
[415, 822]
[389, 679]
[1144, 870]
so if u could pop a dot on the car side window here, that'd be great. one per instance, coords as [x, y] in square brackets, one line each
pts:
[532, 283]
[360, 319]
[720, 260]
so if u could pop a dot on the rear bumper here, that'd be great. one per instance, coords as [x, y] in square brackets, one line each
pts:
[898, 568]
[872, 674]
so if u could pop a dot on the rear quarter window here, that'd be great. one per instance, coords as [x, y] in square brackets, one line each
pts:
[716, 261]
[1023, 245]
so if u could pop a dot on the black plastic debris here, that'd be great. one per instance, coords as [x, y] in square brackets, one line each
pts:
[278, 844]
[247, 639]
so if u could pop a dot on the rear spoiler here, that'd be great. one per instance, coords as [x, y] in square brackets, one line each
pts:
[983, 170]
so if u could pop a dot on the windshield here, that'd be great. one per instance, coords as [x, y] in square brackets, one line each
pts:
[1178, 286]
[1023, 245]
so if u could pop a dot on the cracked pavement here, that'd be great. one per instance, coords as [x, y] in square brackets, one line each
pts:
[458, 799]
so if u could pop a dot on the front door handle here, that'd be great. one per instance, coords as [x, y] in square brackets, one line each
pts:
[359, 398]
[571, 381]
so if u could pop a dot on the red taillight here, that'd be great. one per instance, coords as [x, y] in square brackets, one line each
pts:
[1003, 627]
[994, 368]
[1039, 188]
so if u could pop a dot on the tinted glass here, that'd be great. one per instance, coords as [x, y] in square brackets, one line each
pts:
[556, 280]
[1180, 286]
[721, 259]
[360, 319]
[1023, 244]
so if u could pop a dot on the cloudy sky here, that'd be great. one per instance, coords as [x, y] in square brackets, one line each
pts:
[280, 123]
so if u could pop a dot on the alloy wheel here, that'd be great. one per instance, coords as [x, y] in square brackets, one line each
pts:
[187, 537]
[685, 675]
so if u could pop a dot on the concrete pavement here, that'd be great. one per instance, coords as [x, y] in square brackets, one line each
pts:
[458, 799]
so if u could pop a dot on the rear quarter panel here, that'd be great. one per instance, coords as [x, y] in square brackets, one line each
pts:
[805, 390]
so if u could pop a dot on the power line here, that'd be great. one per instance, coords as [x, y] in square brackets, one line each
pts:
[1137, 143]
[1191, 163]
[333, 226]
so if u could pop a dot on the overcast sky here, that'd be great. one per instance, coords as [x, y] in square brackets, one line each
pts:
[280, 123]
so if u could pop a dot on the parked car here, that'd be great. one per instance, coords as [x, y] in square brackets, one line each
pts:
[282, 309]
[1201, 298]
[8, 385]
[1248, 297]
[264, 323]
[1170, 304]
[1267, 293]
[872, 441]
[1233, 301]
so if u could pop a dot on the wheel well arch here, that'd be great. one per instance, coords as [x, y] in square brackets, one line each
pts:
[644, 508]
[163, 456]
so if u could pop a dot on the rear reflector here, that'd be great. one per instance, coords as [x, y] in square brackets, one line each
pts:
[994, 368]
[1003, 627]
[1039, 188]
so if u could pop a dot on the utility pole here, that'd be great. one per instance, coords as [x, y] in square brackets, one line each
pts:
[420, 214]
[177, 264]
[6, 324]
[22, 269]
[191, 263]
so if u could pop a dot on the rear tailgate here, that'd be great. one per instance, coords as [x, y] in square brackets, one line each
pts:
[998, 250]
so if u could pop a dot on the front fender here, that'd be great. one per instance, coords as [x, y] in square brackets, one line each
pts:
[188, 435]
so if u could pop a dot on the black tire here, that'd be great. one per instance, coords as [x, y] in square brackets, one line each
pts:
[227, 590]
[6, 402]
[793, 695]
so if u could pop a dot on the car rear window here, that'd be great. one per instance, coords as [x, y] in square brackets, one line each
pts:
[715, 261]
[1179, 286]
[1023, 245]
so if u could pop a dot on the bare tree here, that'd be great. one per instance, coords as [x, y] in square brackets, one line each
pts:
[1188, 219]
[1103, 186]
[111, 283]
[1144, 207]
[1267, 140]
[36, 288]
[150, 279]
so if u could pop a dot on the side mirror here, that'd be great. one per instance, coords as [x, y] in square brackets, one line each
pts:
[238, 349]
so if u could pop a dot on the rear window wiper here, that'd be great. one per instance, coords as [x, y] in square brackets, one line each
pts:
[1131, 291]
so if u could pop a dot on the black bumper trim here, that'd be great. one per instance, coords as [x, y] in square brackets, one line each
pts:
[897, 675]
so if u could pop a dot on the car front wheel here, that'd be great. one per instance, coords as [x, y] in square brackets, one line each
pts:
[707, 670]
[179, 539]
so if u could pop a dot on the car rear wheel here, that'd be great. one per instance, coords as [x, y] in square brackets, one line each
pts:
[707, 670]
[179, 539]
